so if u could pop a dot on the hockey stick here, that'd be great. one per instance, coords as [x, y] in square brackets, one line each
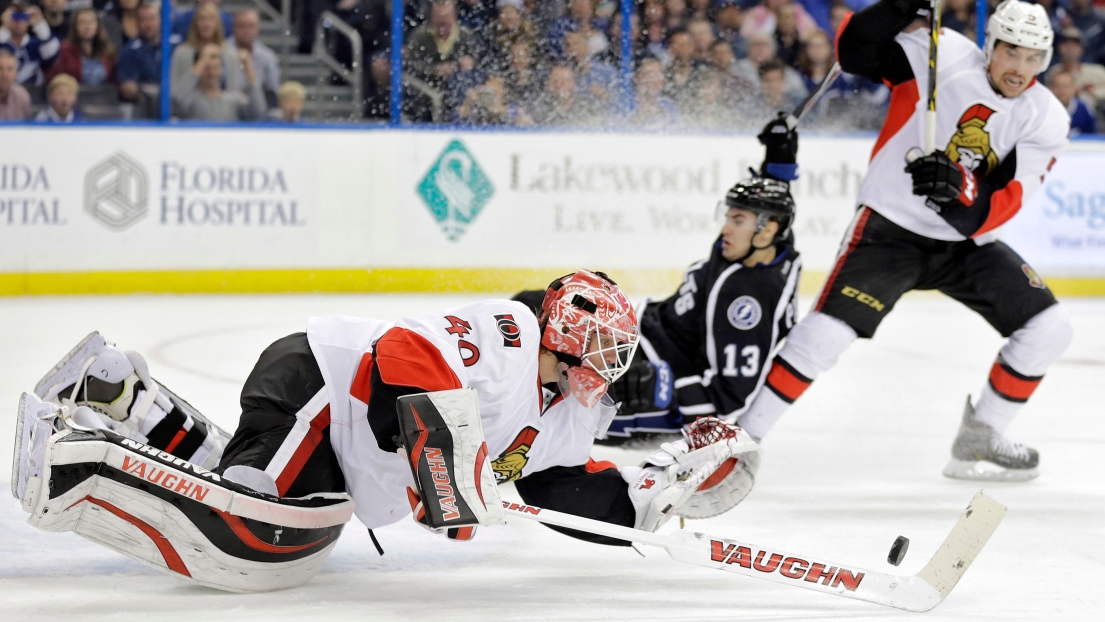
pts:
[919, 592]
[811, 99]
[930, 114]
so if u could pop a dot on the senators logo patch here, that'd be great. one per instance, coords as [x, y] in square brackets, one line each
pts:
[508, 467]
[1033, 279]
[508, 328]
[970, 146]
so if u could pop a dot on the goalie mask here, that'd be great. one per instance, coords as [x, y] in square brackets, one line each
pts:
[589, 324]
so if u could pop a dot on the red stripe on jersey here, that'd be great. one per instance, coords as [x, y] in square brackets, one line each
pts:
[836, 37]
[857, 235]
[481, 458]
[1009, 384]
[719, 474]
[597, 466]
[303, 452]
[903, 103]
[1004, 204]
[168, 553]
[785, 382]
[362, 388]
[176, 440]
[408, 359]
[246, 536]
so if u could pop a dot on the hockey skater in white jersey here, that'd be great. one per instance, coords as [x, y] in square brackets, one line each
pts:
[932, 224]
[357, 416]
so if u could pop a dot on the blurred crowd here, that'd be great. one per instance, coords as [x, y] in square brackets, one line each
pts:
[695, 64]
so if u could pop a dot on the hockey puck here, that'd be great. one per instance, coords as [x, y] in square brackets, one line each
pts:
[898, 550]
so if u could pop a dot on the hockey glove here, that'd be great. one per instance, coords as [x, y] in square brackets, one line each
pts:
[644, 387]
[672, 476]
[418, 512]
[781, 149]
[937, 177]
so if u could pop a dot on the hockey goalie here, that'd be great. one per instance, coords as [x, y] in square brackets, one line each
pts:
[420, 418]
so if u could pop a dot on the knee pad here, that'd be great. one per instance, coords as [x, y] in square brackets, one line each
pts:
[814, 344]
[1034, 347]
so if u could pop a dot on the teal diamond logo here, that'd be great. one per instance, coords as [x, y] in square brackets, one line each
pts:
[456, 190]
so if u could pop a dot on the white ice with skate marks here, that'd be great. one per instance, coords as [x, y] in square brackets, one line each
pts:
[856, 463]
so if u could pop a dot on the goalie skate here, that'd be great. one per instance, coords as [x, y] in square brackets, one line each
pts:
[979, 452]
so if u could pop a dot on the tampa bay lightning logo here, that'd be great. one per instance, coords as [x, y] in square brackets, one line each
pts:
[744, 313]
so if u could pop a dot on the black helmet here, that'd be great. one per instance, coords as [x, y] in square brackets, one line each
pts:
[768, 198]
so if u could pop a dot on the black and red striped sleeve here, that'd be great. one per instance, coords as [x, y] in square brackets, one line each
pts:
[594, 490]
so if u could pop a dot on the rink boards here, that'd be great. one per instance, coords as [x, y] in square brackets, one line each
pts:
[107, 209]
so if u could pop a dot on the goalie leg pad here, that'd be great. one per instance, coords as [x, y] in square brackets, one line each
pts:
[181, 518]
[444, 442]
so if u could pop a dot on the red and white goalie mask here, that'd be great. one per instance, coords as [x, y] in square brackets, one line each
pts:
[591, 324]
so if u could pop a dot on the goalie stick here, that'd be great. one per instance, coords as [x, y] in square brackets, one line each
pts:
[919, 592]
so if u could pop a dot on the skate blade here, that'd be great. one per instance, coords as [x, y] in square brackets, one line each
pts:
[64, 368]
[981, 470]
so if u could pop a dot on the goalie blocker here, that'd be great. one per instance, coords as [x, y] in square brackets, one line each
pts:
[443, 439]
[168, 513]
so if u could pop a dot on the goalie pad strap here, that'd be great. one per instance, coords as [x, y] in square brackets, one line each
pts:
[180, 518]
[448, 457]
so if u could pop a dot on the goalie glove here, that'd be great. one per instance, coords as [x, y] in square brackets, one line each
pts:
[418, 512]
[674, 479]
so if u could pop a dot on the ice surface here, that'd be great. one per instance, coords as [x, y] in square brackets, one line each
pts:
[853, 465]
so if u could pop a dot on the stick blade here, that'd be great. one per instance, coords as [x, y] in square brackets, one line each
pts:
[963, 544]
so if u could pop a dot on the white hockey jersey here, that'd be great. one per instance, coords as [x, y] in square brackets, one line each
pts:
[1009, 143]
[490, 346]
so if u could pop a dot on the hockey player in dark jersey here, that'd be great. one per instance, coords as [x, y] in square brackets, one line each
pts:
[705, 350]
[931, 224]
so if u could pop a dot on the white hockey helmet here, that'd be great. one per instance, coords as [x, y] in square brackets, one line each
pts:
[1023, 24]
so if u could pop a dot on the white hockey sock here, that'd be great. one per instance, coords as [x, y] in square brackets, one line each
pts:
[1021, 364]
[813, 346]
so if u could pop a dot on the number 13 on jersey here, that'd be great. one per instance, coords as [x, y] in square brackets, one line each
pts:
[748, 359]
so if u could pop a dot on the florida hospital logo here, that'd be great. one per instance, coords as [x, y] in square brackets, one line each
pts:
[115, 192]
[970, 145]
[744, 313]
[456, 190]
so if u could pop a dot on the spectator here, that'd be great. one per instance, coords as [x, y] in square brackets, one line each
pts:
[27, 36]
[1092, 25]
[1089, 78]
[202, 98]
[121, 22]
[486, 104]
[613, 56]
[836, 18]
[15, 102]
[698, 10]
[440, 48]
[814, 62]
[722, 61]
[959, 15]
[290, 99]
[247, 25]
[581, 18]
[56, 15]
[87, 53]
[655, 31]
[702, 32]
[1082, 119]
[761, 49]
[559, 104]
[716, 104]
[182, 23]
[682, 71]
[650, 108]
[820, 10]
[61, 95]
[595, 78]
[523, 86]
[510, 28]
[773, 94]
[764, 18]
[675, 10]
[729, 17]
[139, 68]
[207, 27]
[476, 15]
[787, 40]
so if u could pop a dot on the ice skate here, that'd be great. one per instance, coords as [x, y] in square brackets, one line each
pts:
[981, 453]
[117, 386]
